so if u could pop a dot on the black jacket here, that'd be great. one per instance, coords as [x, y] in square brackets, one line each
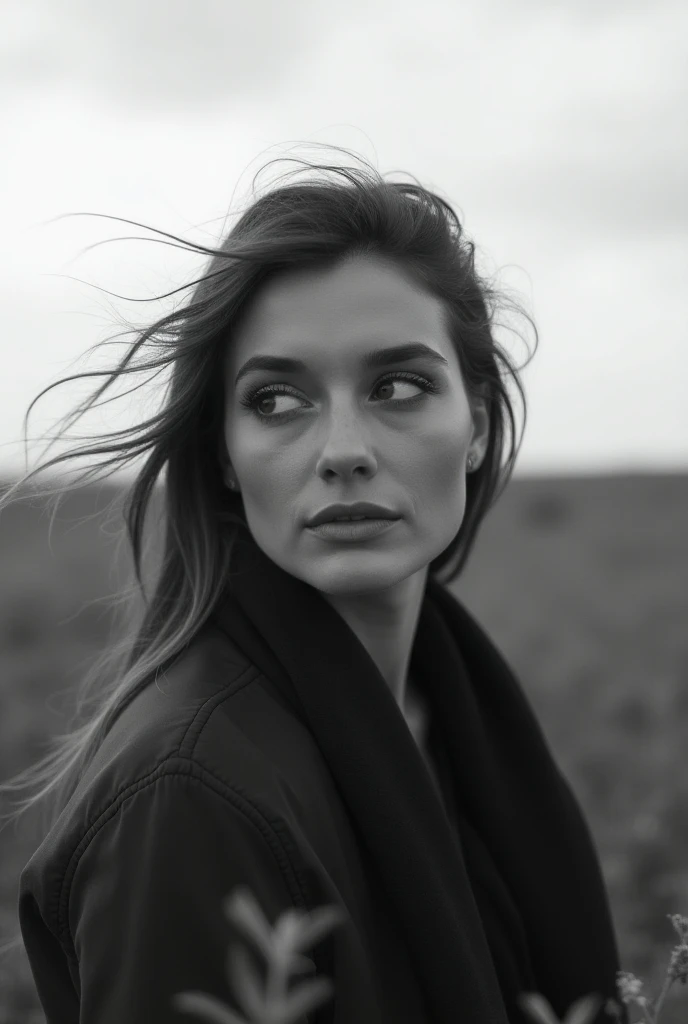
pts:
[271, 754]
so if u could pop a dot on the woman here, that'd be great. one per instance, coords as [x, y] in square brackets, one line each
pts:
[306, 709]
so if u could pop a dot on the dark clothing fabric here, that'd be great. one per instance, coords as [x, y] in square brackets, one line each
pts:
[271, 754]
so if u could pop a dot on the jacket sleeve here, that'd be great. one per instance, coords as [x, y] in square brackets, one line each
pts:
[146, 902]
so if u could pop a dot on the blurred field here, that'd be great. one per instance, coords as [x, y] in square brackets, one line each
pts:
[582, 583]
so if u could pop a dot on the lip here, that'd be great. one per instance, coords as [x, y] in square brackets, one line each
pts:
[358, 508]
[359, 532]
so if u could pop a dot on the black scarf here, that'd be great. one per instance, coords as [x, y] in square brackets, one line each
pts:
[497, 891]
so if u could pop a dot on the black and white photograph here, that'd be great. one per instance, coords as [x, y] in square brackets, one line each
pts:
[344, 512]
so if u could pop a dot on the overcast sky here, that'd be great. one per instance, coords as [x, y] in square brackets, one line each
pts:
[557, 132]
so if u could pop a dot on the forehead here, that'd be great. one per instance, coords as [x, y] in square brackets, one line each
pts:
[317, 314]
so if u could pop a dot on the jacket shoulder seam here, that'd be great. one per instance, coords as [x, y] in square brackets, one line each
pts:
[275, 833]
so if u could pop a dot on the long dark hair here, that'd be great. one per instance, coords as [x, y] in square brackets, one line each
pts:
[341, 213]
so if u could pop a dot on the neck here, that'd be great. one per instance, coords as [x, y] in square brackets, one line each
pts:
[385, 622]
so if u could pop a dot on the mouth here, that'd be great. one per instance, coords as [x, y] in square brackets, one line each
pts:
[358, 511]
[360, 518]
[353, 519]
[351, 529]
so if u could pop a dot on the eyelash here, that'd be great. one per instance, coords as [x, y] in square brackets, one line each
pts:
[250, 399]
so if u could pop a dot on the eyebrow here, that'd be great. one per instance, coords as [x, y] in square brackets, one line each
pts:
[379, 357]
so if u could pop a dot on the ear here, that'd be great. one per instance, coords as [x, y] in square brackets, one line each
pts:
[481, 426]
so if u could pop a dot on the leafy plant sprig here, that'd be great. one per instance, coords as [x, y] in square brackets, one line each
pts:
[295, 931]
[281, 946]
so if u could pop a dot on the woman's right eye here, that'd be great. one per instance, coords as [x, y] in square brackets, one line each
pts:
[254, 400]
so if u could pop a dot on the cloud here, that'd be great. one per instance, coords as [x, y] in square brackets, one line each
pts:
[157, 54]
[562, 113]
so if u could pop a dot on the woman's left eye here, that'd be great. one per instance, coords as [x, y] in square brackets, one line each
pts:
[269, 392]
[419, 383]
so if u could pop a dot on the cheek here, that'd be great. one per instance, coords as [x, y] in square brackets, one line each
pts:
[441, 457]
[441, 494]
[269, 479]
[260, 468]
[446, 466]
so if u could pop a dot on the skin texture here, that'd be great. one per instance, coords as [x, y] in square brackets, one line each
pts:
[350, 437]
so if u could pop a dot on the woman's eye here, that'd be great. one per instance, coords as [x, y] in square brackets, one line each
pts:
[255, 401]
[273, 396]
[395, 382]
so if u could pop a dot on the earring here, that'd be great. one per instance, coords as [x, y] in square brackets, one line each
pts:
[469, 462]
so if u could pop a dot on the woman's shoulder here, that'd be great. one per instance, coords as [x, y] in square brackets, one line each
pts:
[209, 721]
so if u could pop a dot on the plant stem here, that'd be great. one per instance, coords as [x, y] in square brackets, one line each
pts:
[646, 1014]
[667, 985]
[275, 989]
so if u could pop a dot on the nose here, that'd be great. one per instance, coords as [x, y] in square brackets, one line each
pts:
[347, 450]
[346, 465]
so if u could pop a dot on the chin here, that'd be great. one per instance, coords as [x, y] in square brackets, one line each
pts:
[360, 572]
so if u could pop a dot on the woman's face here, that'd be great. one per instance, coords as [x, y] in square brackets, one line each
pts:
[336, 432]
